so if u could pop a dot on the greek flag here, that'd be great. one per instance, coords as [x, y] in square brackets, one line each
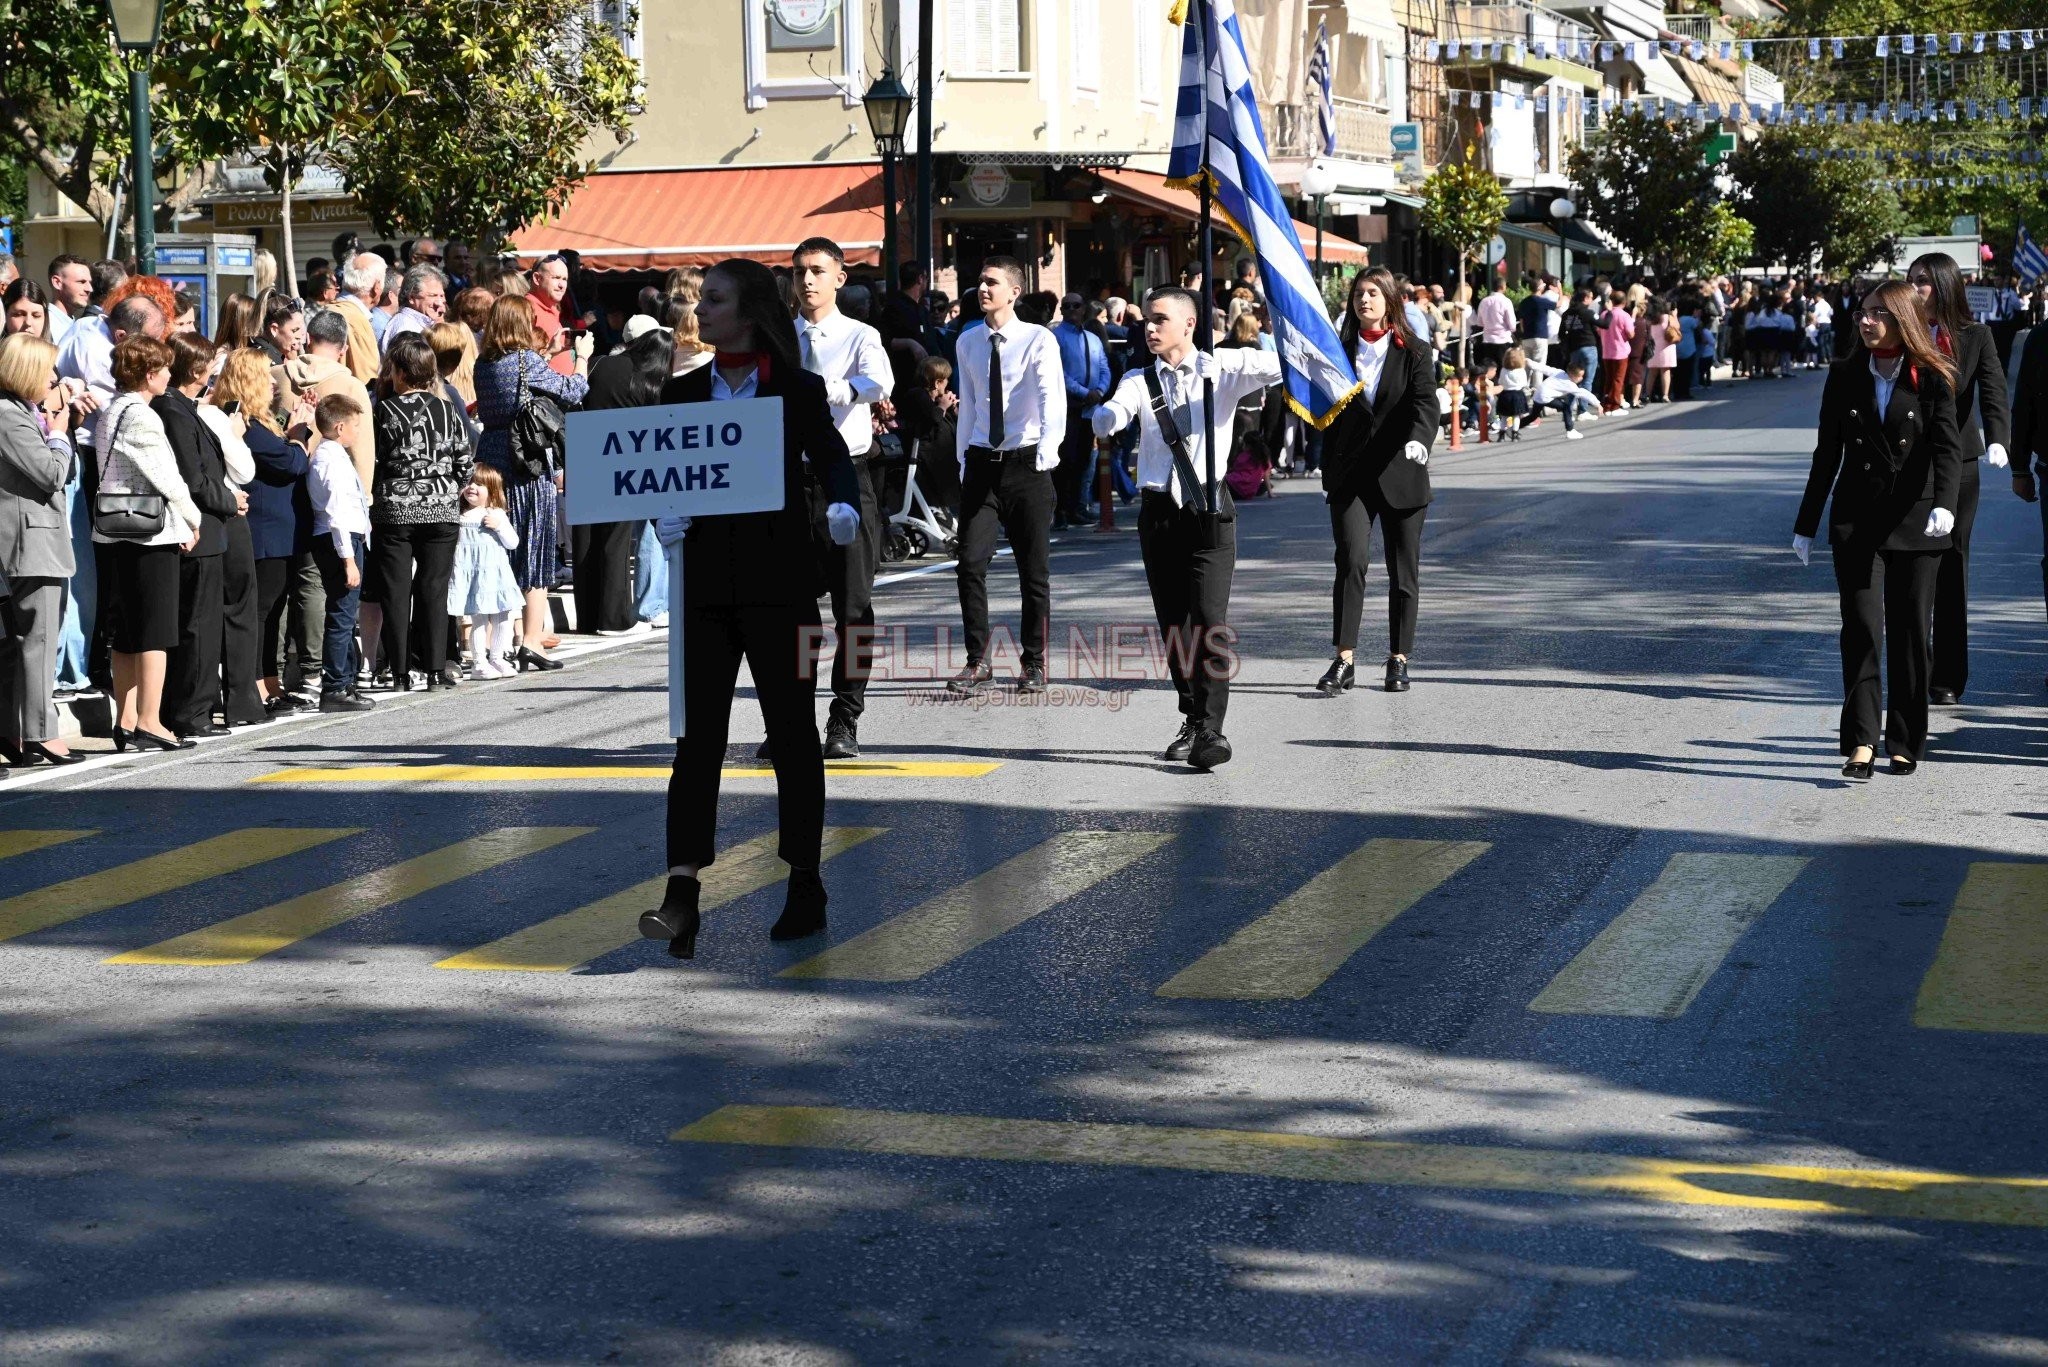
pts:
[1217, 137]
[2029, 262]
[1319, 87]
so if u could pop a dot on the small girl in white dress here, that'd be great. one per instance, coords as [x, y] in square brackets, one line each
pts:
[483, 588]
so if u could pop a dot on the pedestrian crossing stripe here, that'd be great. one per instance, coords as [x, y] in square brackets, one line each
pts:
[934, 933]
[553, 773]
[1293, 949]
[75, 898]
[28, 842]
[1991, 971]
[1653, 959]
[242, 939]
[1877, 1193]
[576, 937]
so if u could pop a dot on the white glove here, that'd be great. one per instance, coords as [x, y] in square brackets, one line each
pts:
[839, 393]
[586, 345]
[842, 520]
[1103, 422]
[1940, 522]
[669, 530]
[1416, 452]
[1802, 546]
[1994, 455]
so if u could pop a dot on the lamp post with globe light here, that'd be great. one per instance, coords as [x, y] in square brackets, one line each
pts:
[887, 105]
[137, 24]
[1318, 182]
[1562, 209]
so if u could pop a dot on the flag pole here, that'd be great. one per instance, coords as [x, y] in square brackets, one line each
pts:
[1205, 318]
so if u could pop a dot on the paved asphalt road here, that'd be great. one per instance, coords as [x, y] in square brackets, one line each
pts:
[1568, 1009]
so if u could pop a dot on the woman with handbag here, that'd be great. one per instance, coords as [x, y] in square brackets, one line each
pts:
[520, 401]
[144, 515]
[1890, 455]
[35, 550]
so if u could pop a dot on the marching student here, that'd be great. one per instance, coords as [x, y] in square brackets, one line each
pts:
[1889, 452]
[1376, 469]
[1013, 399]
[750, 587]
[850, 357]
[1187, 526]
[1980, 389]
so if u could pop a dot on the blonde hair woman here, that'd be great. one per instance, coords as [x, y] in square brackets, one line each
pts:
[35, 550]
[280, 525]
[266, 275]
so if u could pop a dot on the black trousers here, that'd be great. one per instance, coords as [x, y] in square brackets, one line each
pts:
[603, 556]
[850, 573]
[1949, 667]
[1075, 448]
[273, 580]
[1887, 600]
[1013, 495]
[1352, 514]
[241, 640]
[410, 566]
[1681, 377]
[1189, 559]
[192, 682]
[780, 646]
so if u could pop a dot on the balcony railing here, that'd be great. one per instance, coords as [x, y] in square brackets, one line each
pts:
[1508, 21]
[1363, 130]
[1705, 28]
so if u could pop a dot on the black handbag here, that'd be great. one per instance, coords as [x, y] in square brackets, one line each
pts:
[127, 517]
[538, 435]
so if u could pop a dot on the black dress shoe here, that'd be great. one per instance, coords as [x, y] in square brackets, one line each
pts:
[150, 740]
[1032, 680]
[1903, 767]
[1397, 676]
[206, 732]
[842, 740]
[345, 702]
[803, 910]
[1858, 769]
[529, 658]
[1184, 742]
[1341, 674]
[677, 918]
[37, 751]
[1944, 697]
[1209, 750]
[972, 679]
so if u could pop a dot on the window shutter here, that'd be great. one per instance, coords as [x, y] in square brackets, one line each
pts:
[1005, 19]
[959, 37]
[1087, 44]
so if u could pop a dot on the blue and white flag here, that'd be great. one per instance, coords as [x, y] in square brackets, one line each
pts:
[2029, 262]
[1217, 136]
[1319, 67]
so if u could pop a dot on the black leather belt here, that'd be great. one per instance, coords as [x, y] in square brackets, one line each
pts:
[984, 453]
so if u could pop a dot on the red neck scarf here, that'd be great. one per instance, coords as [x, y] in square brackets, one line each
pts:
[1941, 339]
[1887, 353]
[740, 360]
[1372, 334]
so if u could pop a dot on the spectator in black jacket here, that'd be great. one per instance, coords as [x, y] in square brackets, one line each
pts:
[192, 685]
[2030, 433]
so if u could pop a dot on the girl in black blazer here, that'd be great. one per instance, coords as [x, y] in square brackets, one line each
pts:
[1376, 468]
[1980, 393]
[750, 589]
[1889, 453]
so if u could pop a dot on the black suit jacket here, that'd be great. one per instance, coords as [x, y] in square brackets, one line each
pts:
[1887, 471]
[753, 559]
[1980, 388]
[204, 467]
[1364, 445]
[2030, 404]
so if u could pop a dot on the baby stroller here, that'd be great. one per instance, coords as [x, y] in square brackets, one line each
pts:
[917, 524]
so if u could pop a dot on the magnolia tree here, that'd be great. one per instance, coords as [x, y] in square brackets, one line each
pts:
[1463, 205]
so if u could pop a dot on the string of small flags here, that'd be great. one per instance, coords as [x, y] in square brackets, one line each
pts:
[1964, 182]
[2026, 156]
[1697, 49]
[1776, 114]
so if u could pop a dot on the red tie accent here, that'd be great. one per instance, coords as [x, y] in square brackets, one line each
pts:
[740, 360]
[1372, 334]
[1941, 338]
[1884, 353]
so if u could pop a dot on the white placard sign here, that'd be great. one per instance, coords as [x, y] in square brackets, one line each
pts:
[674, 460]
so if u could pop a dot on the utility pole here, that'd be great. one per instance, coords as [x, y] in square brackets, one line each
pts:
[921, 250]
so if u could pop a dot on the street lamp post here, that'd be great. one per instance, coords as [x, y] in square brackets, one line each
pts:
[921, 250]
[1562, 209]
[1318, 182]
[888, 109]
[137, 23]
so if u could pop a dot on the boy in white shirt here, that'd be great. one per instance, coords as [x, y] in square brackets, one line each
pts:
[341, 529]
[1565, 390]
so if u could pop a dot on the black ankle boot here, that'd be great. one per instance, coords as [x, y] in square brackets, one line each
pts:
[676, 920]
[803, 911]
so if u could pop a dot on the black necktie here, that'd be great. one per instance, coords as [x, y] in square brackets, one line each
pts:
[995, 390]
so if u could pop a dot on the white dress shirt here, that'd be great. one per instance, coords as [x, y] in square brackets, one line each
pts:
[61, 324]
[1238, 372]
[1369, 359]
[849, 355]
[339, 505]
[750, 388]
[1885, 386]
[1034, 391]
[88, 355]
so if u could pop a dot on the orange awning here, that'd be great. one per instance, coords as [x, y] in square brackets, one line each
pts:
[653, 220]
[1149, 190]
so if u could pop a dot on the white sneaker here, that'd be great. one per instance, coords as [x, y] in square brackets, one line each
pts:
[1575, 436]
[637, 629]
[658, 622]
[491, 667]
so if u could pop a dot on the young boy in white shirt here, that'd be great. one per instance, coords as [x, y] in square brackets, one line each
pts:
[341, 530]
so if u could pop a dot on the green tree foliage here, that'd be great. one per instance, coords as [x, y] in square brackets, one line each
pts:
[1833, 212]
[1733, 244]
[63, 96]
[1463, 204]
[1649, 183]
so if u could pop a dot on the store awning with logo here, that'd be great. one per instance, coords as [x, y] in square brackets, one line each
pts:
[655, 220]
[1149, 190]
